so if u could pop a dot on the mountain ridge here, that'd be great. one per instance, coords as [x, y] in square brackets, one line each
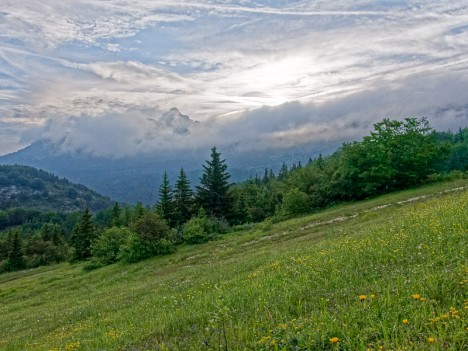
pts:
[133, 178]
[28, 187]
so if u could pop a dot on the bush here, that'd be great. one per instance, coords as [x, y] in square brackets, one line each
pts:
[41, 252]
[150, 227]
[151, 236]
[201, 229]
[452, 175]
[106, 249]
[295, 203]
[134, 249]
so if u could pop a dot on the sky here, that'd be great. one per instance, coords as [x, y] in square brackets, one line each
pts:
[98, 75]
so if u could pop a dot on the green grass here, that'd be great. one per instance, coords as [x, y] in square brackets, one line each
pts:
[293, 285]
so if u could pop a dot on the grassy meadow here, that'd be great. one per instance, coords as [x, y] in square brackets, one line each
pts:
[361, 276]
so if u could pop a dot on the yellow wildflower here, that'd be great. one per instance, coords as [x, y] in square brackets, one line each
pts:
[372, 296]
[334, 340]
[430, 339]
[416, 296]
[405, 321]
[362, 297]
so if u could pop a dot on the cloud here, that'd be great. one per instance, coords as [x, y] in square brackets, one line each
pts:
[48, 24]
[291, 124]
[256, 73]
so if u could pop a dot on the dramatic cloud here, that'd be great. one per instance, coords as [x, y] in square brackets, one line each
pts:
[97, 76]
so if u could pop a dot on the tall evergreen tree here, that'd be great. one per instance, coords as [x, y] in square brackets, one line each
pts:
[15, 259]
[283, 172]
[212, 193]
[127, 216]
[164, 205]
[116, 213]
[83, 235]
[265, 177]
[320, 162]
[52, 232]
[138, 211]
[271, 175]
[182, 199]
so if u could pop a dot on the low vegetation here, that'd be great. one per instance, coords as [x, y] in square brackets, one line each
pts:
[389, 273]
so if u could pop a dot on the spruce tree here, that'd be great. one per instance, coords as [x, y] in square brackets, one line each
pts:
[212, 193]
[283, 173]
[320, 162]
[15, 259]
[116, 212]
[183, 199]
[265, 177]
[164, 205]
[138, 211]
[271, 175]
[83, 236]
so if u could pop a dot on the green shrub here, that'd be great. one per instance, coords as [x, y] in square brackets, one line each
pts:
[200, 229]
[106, 249]
[295, 202]
[132, 250]
[151, 236]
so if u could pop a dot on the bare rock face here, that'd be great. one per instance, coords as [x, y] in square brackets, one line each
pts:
[174, 121]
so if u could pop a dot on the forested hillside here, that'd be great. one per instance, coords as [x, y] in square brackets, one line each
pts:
[396, 155]
[28, 187]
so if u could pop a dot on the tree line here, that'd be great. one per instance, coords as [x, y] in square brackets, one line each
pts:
[395, 156]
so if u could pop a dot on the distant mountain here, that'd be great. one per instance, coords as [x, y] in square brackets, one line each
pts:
[136, 178]
[175, 121]
[28, 187]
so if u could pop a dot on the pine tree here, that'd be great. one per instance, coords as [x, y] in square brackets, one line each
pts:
[212, 193]
[138, 211]
[127, 216]
[271, 175]
[164, 205]
[116, 213]
[182, 199]
[320, 162]
[283, 172]
[15, 259]
[53, 233]
[265, 179]
[83, 236]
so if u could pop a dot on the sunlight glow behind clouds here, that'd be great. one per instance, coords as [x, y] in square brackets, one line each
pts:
[218, 60]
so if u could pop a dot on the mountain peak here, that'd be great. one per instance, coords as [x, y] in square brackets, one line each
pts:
[175, 121]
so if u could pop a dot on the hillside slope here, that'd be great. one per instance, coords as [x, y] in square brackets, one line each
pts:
[28, 187]
[384, 274]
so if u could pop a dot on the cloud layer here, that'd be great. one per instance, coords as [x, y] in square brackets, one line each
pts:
[254, 73]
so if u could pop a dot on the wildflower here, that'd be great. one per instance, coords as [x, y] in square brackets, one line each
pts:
[416, 296]
[430, 339]
[264, 340]
[372, 296]
[422, 299]
[362, 297]
[334, 340]
[405, 321]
